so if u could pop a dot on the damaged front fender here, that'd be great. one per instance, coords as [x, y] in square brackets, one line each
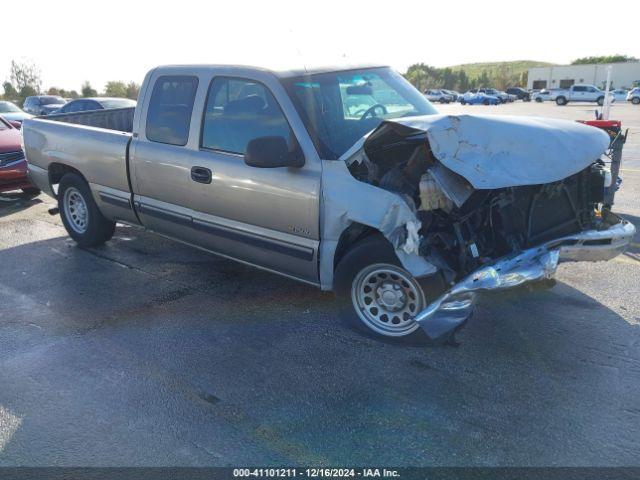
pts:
[347, 200]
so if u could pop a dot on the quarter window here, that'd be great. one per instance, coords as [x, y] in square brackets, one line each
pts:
[170, 107]
[238, 111]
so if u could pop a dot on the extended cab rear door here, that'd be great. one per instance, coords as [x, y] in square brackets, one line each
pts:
[189, 176]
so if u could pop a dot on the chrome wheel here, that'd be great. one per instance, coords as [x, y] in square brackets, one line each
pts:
[75, 210]
[386, 298]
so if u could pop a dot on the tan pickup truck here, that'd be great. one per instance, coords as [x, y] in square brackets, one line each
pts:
[347, 179]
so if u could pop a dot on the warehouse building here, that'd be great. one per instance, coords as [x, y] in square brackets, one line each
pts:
[623, 75]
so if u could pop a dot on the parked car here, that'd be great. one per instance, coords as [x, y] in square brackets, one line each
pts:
[634, 96]
[97, 103]
[501, 96]
[12, 113]
[543, 95]
[440, 96]
[13, 166]
[579, 93]
[269, 169]
[42, 104]
[455, 95]
[620, 94]
[474, 97]
[520, 93]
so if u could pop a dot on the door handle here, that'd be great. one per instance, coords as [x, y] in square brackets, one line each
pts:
[201, 174]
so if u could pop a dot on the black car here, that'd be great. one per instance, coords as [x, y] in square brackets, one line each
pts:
[521, 93]
[97, 103]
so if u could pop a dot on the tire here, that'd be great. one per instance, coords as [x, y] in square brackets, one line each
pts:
[538, 99]
[463, 102]
[486, 101]
[79, 212]
[31, 191]
[601, 101]
[372, 261]
[635, 100]
[561, 101]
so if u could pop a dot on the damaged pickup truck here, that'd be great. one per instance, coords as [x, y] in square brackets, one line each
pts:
[347, 179]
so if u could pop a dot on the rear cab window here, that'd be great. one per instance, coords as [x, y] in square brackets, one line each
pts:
[170, 108]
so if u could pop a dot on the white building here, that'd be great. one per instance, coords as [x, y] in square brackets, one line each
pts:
[623, 75]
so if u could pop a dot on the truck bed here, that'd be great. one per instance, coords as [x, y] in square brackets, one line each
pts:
[94, 143]
[120, 119]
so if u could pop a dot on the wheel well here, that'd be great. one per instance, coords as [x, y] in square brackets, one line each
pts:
[59, 170]
[350, 235]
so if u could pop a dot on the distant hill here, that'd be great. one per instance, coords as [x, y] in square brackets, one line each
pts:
[515, 68]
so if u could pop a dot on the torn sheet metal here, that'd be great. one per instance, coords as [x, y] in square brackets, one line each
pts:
[347, 200]
[494, 151]
[455, 306]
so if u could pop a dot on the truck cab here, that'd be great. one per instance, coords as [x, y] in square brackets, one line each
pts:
[580, 93]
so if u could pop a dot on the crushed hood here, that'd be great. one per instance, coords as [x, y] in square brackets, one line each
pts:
[494, 151]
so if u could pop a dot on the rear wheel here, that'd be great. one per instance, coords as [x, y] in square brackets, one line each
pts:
[486, 101]
[79, 212]
[635, 100]
[561, 101]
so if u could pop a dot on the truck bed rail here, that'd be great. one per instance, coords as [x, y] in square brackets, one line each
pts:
[120, 119]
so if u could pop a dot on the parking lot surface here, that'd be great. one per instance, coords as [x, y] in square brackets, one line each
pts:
[148, 352]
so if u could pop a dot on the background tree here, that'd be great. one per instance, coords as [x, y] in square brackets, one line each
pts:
[115, 89]
[54, 91]
[87, 91]
[10, 93]
[133, 90]
[604, 59]
[25, 75]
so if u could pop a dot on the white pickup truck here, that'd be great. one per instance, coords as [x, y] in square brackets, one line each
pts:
[346, 179]
[580, 93]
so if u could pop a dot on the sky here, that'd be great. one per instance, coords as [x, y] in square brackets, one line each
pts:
[100, 40]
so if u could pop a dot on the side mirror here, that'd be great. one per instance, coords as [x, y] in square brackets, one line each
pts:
[272, 152]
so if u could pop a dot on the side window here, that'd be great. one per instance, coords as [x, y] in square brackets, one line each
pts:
[239, 110]
[77, 106]
[170, 107]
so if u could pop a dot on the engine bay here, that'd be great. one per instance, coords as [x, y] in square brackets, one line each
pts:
[463, 228]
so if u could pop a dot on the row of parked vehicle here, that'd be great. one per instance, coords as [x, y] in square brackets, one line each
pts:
[485, 96]
[13, 165]
[585, 93]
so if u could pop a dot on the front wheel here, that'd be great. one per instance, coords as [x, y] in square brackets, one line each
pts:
[80, 215]
[382, 296]
[601, 101]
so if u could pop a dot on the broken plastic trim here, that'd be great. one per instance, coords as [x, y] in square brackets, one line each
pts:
[455, 306]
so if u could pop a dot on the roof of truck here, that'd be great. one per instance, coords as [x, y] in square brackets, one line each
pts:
[282, 73]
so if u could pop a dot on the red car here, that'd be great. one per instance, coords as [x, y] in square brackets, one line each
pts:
[13, 166]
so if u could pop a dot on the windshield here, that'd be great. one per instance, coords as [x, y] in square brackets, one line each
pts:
[51, 100]
[118, 103]
[338, 108]
[7, 107]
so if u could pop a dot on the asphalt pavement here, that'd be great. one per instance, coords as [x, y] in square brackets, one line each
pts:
[148, 352]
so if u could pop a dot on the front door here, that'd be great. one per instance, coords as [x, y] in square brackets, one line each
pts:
[265, 216]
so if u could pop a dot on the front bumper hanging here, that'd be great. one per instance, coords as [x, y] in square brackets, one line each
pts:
[455, 306]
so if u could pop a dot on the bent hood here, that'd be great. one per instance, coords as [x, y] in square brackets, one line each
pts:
[494, 151]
